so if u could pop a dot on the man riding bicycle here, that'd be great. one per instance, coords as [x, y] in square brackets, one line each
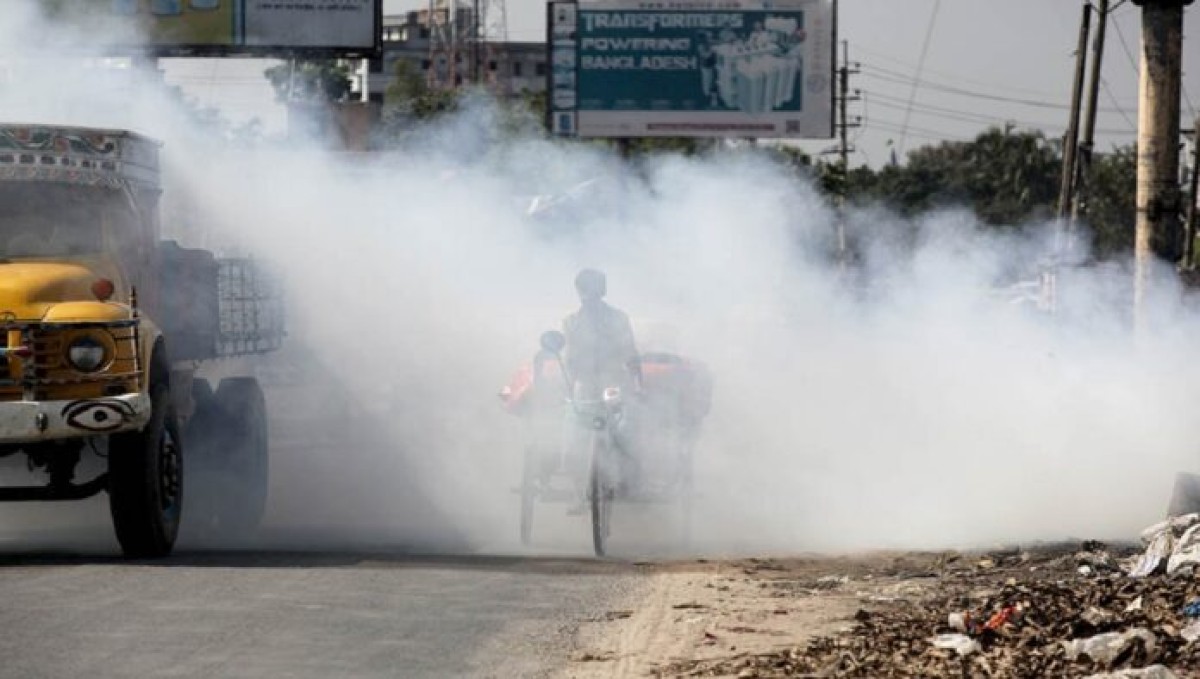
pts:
[600, 353]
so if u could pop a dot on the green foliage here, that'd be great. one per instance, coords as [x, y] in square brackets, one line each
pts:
[1110, 201]
[1006, 177]
[309, 81]
[410, 98]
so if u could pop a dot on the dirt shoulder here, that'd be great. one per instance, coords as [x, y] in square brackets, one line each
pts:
[1062, 610]
[702, 612]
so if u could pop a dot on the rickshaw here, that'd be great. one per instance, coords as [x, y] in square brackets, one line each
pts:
[627, 448]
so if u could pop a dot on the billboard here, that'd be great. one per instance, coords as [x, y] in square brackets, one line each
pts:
[691, 68]
[198, 27]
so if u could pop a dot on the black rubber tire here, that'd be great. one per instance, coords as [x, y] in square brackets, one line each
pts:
[1185, 497]
[528, 495]
[204, 438]
[601, 495]
[145, 481]
[244, 457]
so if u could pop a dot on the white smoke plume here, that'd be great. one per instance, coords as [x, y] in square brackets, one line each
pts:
[910, 404]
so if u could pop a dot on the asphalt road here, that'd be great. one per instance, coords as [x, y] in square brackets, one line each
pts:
[297, 614]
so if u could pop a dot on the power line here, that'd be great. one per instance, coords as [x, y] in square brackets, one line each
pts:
[953, 76]
[912, 97]
[903, 79]
[921, 131]
[1108, 91]
[895, 103]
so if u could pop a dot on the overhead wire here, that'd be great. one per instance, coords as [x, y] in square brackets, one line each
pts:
[971, 117]
[912, 97]
[1113, 99]
[951, 76]
[872, 71]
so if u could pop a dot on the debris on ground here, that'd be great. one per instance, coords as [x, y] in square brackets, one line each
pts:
[1020, 613]
[1170, 545]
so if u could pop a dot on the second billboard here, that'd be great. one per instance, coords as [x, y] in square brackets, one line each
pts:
[623, 68]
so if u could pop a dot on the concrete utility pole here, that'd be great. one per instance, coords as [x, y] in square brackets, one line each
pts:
[1083, 160]
[844, 149]
[1158, 196]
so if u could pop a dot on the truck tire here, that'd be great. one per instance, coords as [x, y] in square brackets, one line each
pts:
[245, 456]
[204, 437]
[145, 481]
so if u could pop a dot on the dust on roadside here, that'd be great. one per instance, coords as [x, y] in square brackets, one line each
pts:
[1014, 612]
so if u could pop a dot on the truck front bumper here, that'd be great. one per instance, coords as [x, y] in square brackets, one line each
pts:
[33, 421]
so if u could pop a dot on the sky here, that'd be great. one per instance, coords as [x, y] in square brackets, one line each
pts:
[987, 62]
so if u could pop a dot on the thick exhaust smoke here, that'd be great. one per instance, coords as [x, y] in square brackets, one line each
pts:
[908, 401]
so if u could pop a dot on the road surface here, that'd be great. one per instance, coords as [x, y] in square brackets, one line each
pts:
[297, 614]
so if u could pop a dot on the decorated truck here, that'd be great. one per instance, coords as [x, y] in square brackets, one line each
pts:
[105, 330]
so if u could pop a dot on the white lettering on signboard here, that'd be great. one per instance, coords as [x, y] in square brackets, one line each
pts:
[652, 22]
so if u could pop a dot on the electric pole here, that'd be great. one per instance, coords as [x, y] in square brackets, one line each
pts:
[1193, 212]
[1158, 196]
[1088, 144]
[1070, 143]
[844, 149]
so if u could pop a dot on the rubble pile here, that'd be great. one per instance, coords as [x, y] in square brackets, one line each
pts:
[1026, 614]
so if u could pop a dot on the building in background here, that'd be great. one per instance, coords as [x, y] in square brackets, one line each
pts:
[442, 52]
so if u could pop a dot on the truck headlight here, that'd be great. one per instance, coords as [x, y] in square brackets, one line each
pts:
[86, 355]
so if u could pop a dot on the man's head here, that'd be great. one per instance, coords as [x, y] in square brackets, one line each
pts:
[591, 285]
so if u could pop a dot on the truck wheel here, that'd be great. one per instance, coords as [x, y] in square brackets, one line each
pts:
[204, 437]
[145, 481]
[245, 458]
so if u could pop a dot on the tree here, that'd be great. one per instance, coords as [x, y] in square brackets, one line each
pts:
[1110, 202]
[1007, 178]
[410, 97]
[309, 81]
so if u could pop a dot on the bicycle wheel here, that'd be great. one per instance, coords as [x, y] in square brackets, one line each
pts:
[600, 490]
[528, 495]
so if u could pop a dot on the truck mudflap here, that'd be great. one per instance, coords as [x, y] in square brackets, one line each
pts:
[33, 421]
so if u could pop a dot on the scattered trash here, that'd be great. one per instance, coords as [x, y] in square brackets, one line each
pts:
[1033, 617]
[1001, 618]
[1085, 571]
[1156, 554]
[1104, 648]
[959, 643]
[1170, 545]
[1151, 672]
[1187, 550]
[958, 621]
[832, 581]
[1096, 616]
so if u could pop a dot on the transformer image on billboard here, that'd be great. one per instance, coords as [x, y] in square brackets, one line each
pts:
[756, 72]
[735, 68]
